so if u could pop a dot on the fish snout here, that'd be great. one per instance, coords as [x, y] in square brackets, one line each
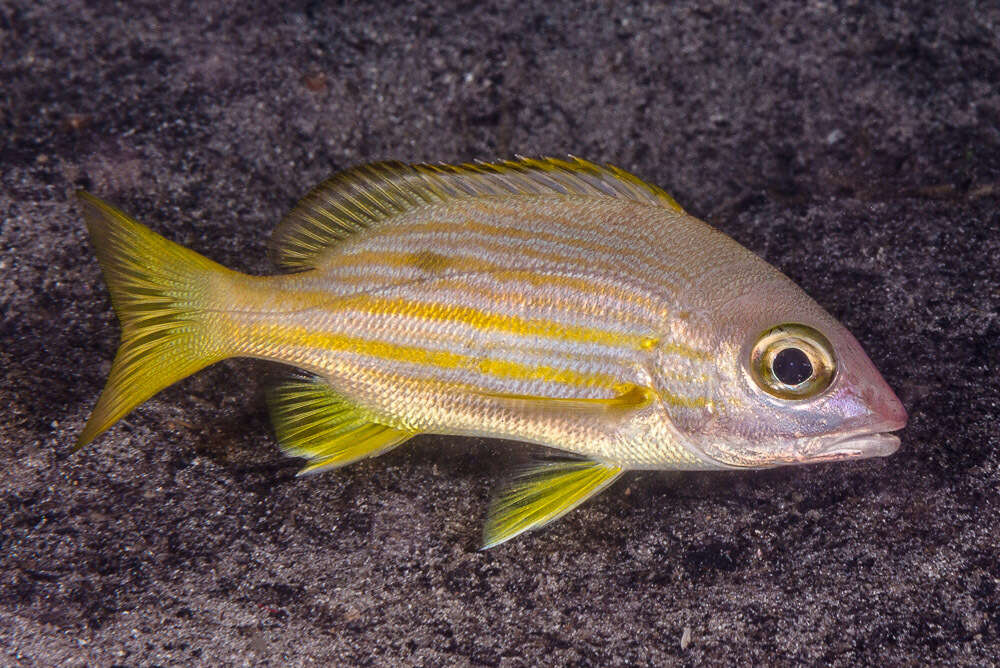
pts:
[890, 411]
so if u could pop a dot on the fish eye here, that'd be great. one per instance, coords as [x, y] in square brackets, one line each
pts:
[792, 361]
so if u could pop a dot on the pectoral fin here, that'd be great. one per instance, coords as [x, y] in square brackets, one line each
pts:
[630, 398]
[311, 420]
[543, 493]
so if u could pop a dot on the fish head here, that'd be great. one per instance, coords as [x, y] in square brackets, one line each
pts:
[787, 384]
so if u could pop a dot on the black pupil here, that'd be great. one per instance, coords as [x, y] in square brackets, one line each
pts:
[792, 366]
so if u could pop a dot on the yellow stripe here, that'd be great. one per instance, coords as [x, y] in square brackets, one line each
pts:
[266, 340]
[684, 402]
[687, 351]
[504, 369]
[292, 301]
[691, 379]
[414, 260]
[443, 227]
[360, 263]
[295, 300]
[497, 207]
[399, 260]
[486, 321]
[654, 310]
[455, 269]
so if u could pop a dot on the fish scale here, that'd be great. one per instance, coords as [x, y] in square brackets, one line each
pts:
[555, 302]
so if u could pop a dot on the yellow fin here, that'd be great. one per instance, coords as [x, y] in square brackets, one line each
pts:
[159, 291]
[311, 420]
[357, 198]
[543, 493]
[631, 397]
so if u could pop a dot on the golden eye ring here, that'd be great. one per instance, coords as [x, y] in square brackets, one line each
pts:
[792, 361]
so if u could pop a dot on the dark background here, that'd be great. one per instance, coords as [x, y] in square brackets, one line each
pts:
[853, 145]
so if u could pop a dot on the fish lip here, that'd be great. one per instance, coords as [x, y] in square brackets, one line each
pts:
[858, 446]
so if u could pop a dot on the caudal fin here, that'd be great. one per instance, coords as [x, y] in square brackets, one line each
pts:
[160, 291]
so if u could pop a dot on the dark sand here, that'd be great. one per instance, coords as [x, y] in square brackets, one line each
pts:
[857, 149]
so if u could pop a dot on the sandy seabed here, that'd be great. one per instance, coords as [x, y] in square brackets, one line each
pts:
[856, 148]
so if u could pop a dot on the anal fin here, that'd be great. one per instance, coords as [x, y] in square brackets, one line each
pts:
[543, 493]
[312, 421]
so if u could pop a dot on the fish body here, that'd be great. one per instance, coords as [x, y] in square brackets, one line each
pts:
[555, 302]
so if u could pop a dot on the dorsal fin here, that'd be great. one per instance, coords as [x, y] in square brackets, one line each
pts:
[357, 198]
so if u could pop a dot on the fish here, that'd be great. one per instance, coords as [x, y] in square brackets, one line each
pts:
[555, 302]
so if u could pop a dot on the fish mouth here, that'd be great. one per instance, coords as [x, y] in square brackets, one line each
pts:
[857, 446]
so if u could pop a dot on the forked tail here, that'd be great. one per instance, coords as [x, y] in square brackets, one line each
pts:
[162, 293]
